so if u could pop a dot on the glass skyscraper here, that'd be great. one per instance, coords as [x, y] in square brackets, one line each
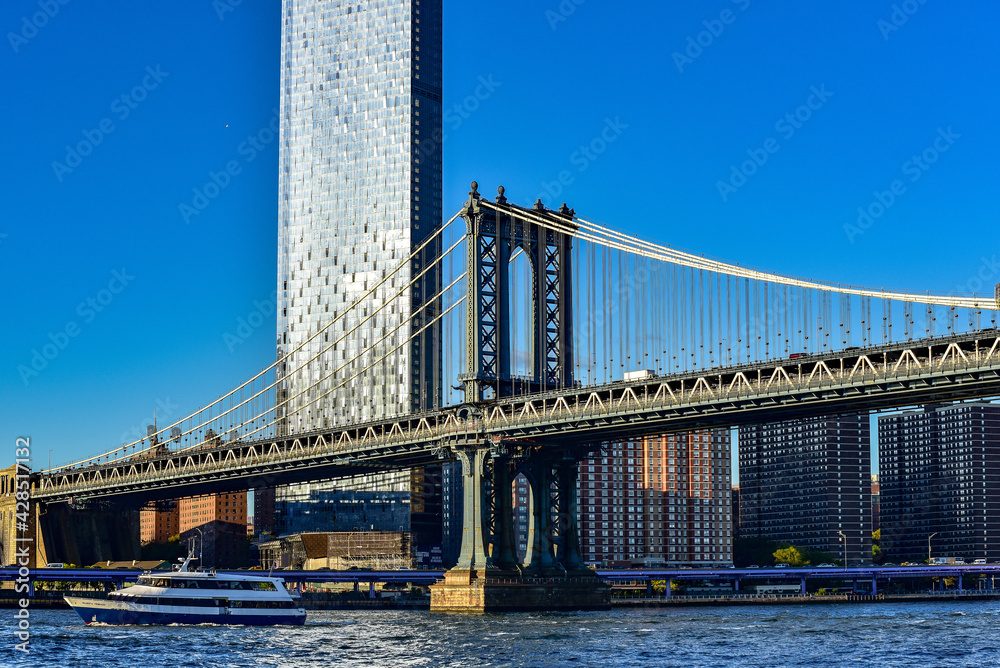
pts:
[359, 191]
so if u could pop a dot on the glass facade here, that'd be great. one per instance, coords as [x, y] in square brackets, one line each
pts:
[314, 509]
[359, 190]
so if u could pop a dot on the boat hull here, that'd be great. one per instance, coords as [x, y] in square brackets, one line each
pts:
[108, 612]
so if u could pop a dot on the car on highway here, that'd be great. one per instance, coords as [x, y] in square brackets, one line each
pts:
[827, 566]
[753, 566]
[782, 565]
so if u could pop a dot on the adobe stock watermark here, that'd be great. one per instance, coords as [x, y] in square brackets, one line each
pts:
[164, 409]
[223, 7]
[121, 108]
[985, 277]
[562, 12]
[786, 126]
[30, 25]
[462, 111]
[900, 14]
[914, 168]
[696, 44]
[246, 326]
[583, 157]
[24, 542]
[459, 112]
[248, 150]
[87, 310]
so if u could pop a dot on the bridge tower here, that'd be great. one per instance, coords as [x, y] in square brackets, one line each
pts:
[495, 233]
[489, 575]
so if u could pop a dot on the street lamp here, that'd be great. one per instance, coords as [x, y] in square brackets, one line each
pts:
[844, 539]
[201, 547]
[929, 546]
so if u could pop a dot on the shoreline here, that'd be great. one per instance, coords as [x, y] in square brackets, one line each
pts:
[323, 603]
[722, 601]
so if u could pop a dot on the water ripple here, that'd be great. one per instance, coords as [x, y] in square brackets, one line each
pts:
[888, 635]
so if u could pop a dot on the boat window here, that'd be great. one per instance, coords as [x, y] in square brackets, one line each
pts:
[208, 602]
[264, 586]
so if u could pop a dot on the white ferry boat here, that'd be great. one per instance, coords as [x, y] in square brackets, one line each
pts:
[194, 597]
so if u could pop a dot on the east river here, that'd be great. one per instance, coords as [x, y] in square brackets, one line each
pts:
[883, 635]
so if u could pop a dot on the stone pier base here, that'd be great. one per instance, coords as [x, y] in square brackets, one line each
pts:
[501, 594]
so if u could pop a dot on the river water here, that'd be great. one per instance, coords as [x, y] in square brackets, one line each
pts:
[884, 635]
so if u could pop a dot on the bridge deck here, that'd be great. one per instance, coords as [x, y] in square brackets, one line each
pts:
[938, 369]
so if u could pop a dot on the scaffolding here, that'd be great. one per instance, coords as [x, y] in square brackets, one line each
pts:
[340, 551]
[375, 550]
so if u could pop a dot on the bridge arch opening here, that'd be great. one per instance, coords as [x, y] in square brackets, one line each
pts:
[521, 281]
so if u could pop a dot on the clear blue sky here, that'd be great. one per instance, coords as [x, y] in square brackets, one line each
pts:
[556, 78]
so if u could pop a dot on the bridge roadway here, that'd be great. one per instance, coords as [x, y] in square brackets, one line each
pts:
[426, 577]
[921, 371]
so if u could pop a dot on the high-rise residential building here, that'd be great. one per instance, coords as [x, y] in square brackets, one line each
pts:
[521, 506]
[452, 508]
[808, 482]
[359, 191]
[939, 474]
[876, 504]
[215, 526]
[736, 512]
[663, 499]
[264, 521]
[158, 524]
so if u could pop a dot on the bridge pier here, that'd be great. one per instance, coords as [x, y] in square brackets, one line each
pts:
[488, 576]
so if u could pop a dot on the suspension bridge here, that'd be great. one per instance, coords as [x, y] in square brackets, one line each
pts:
[554, 335]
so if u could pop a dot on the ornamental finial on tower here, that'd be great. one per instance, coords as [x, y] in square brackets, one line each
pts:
[500, 198]
[472, 206]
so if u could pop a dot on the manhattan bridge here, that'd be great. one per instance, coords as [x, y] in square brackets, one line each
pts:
[555, 337]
